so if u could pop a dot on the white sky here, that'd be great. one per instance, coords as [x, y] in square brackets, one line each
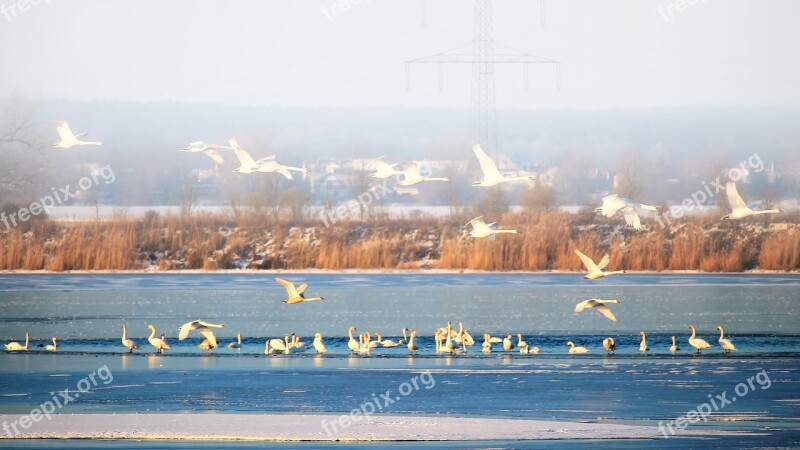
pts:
[620, 53]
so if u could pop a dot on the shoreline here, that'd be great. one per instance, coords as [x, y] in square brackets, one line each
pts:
[375, 272]
[318, 428]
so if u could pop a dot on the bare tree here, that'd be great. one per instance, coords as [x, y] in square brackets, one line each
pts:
[631, 175]
[21, 148]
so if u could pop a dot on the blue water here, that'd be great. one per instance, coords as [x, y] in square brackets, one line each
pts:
[760, 313]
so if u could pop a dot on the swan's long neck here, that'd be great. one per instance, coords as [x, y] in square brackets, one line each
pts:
[350, 333]
[767, 211]
[405, 338]
[124, 333]
[505, 231]
[27, 339]
[721, 333]
[152, 332]
[673, 340]
[694, 334]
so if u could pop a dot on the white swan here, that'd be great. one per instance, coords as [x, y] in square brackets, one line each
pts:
[238, 343]
[365, 343]
[411, 346]
[487, 343]
[54, 346]
[609, 345]
[674, 347]
[384, 170]
[479, 229]
[128, 343]
[596, 270]
[738, 207]
[264, 165]
[69, 140]
[295, 294]
[283, 345]
[159, 344]
[296, 343]
[492, 176]
[508, 344]
[319, 346]
[614, 203]
[352, 344]
[15, 346]
[209, 149]
[203, 328]
[598, 305]
[412, 176]
[574, 349]
[726, 344]
[643, 345]
[696, 342]
[386, 342]
[529, 350]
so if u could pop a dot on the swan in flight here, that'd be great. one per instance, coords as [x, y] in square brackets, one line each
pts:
[128, 342]
[674, 347]
[69, 140]
[159, 344]
[609, 345]
[15, 346]
[238, 343]
[295, 295]
[726, 344]
[319, 346]
[54, 346]
[352, 344]
[203, 328]
[613, 204]
[696, 342]
[596, 270]
[209, 149]
[480, 229]
[265, 165]
[643, 345]
[574, 349]
[384, 170]
[413, 177]
[598, 305]
[492, 176]
[738, 208]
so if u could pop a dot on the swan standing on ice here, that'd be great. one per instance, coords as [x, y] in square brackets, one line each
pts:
[412, 347]
[128, 343]
[726, 344]
[479, 229]
[643, 345]
[15, 346]
[492, 176]
[295, 295]
[159, 344]
[696, 342]
[613, 204]
[413, 177]
[69, 140]
[738, 208]
[209, 149]
[384, 170]
[54, 346]
[598, 305]
[674, 347]
[508, 344]
[203, 328]
[609, 345]
[352, 344]
[319, 346]
[487, 343]
[596, 270]
[574, 349]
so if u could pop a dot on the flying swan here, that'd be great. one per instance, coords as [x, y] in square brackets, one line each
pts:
[613, 204]
[492, 176]
[596, 270]
[738, 208]
[599, 306]
[295, 295]
[69, 140]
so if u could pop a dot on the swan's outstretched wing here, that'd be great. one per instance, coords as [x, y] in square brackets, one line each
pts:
[208, 334]
[604, 262]
[587, 262]
[244, 158]
[302, 288]
[610, 205]
[214, 155]
[183, 333]
[734, 199]
[631, 218]
[581, 306]
[289, 286]
[64, 132]
[604, 310]
[488, 166]
[283, 171]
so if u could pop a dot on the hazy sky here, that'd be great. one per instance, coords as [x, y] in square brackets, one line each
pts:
[632, 53]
